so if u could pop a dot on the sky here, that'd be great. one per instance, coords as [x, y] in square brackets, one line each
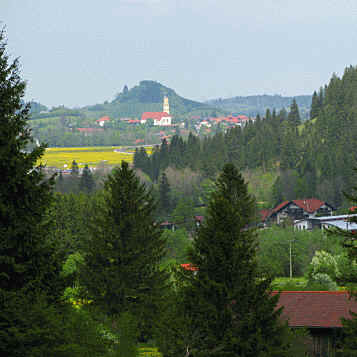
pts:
[83, 52]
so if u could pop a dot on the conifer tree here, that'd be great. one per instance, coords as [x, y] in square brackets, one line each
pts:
[228, 302]
[294, 115]
[164, 192]
[124, 249]
[29, 271]
[24, 193]
[87, 183]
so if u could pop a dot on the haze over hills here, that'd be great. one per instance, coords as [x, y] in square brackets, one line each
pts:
[258, 104]
[148, 96]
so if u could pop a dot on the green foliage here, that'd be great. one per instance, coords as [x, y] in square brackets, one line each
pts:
[323, 263]
[274, 249]
[122, 255]
[128, 336]
[87, 183]
[228, 301]
[177, 244]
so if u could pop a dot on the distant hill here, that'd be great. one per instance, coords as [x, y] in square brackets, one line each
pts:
[148, 96]
[258, 104]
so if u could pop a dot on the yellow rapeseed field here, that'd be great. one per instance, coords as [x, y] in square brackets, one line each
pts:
[91, 156]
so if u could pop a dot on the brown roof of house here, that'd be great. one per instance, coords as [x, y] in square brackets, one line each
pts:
[308, 205]
[316, 308]
[265, 213]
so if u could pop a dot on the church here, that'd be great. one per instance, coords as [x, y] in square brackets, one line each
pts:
[160, 118]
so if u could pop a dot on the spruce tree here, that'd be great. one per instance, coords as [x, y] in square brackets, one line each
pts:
[24, 192]
[294, 115]
[29, 273]
[228, 302]
[124, 249]
[87, 183]
[164, 192]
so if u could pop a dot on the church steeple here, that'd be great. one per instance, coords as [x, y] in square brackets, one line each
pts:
[166, 106]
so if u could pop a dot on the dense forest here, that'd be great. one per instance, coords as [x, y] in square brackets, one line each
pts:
[314, 158]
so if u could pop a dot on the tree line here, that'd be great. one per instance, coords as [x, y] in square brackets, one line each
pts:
[313, 158]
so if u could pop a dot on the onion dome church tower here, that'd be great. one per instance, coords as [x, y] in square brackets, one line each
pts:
[166, 106]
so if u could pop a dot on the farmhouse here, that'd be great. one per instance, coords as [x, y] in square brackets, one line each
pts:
[299, 209]
[101, 121]
[320, 312]
[159, 118]
[341, 222]
[90, 131]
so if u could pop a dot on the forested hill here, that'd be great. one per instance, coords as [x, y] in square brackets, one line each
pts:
[148, 96]
[315, 158]
[258, 104]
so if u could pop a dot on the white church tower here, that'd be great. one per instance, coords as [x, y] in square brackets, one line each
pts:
[166, 106]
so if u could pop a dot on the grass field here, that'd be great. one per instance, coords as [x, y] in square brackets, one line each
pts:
[91, 156]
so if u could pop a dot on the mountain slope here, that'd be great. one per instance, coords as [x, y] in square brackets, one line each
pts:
[147, 96]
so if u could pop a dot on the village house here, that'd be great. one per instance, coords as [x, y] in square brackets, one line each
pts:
[160, 118]
[320, 312]
[90, 131]
[341, 222]
[101, 121]
[298, 210]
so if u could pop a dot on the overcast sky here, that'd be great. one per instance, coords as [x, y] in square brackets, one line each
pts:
[79, 52]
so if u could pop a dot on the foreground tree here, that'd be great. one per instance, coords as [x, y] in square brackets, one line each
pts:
[87, 183]
[228, 302]
[32, 323]
[122, 255]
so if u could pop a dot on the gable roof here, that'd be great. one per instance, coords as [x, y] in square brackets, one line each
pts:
[189, 266]
[105, 118]
[154, 115]
[280, 206]
[322, 309]
[264, 214]
[309, 205]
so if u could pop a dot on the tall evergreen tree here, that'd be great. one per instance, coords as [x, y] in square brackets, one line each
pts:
[228, 302]
[29, 271]
[124, 249]
[87, 183]
[164, 193]
[294, 115]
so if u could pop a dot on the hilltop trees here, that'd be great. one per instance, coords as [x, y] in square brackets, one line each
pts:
[228, 302]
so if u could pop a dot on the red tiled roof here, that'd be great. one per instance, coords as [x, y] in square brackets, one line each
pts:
[90, 130]
[133, 121]
[154, 115]
[265, 213]
[188, 266]
[309, 205]
[279, 207]
[106, 118]
[316, 308]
